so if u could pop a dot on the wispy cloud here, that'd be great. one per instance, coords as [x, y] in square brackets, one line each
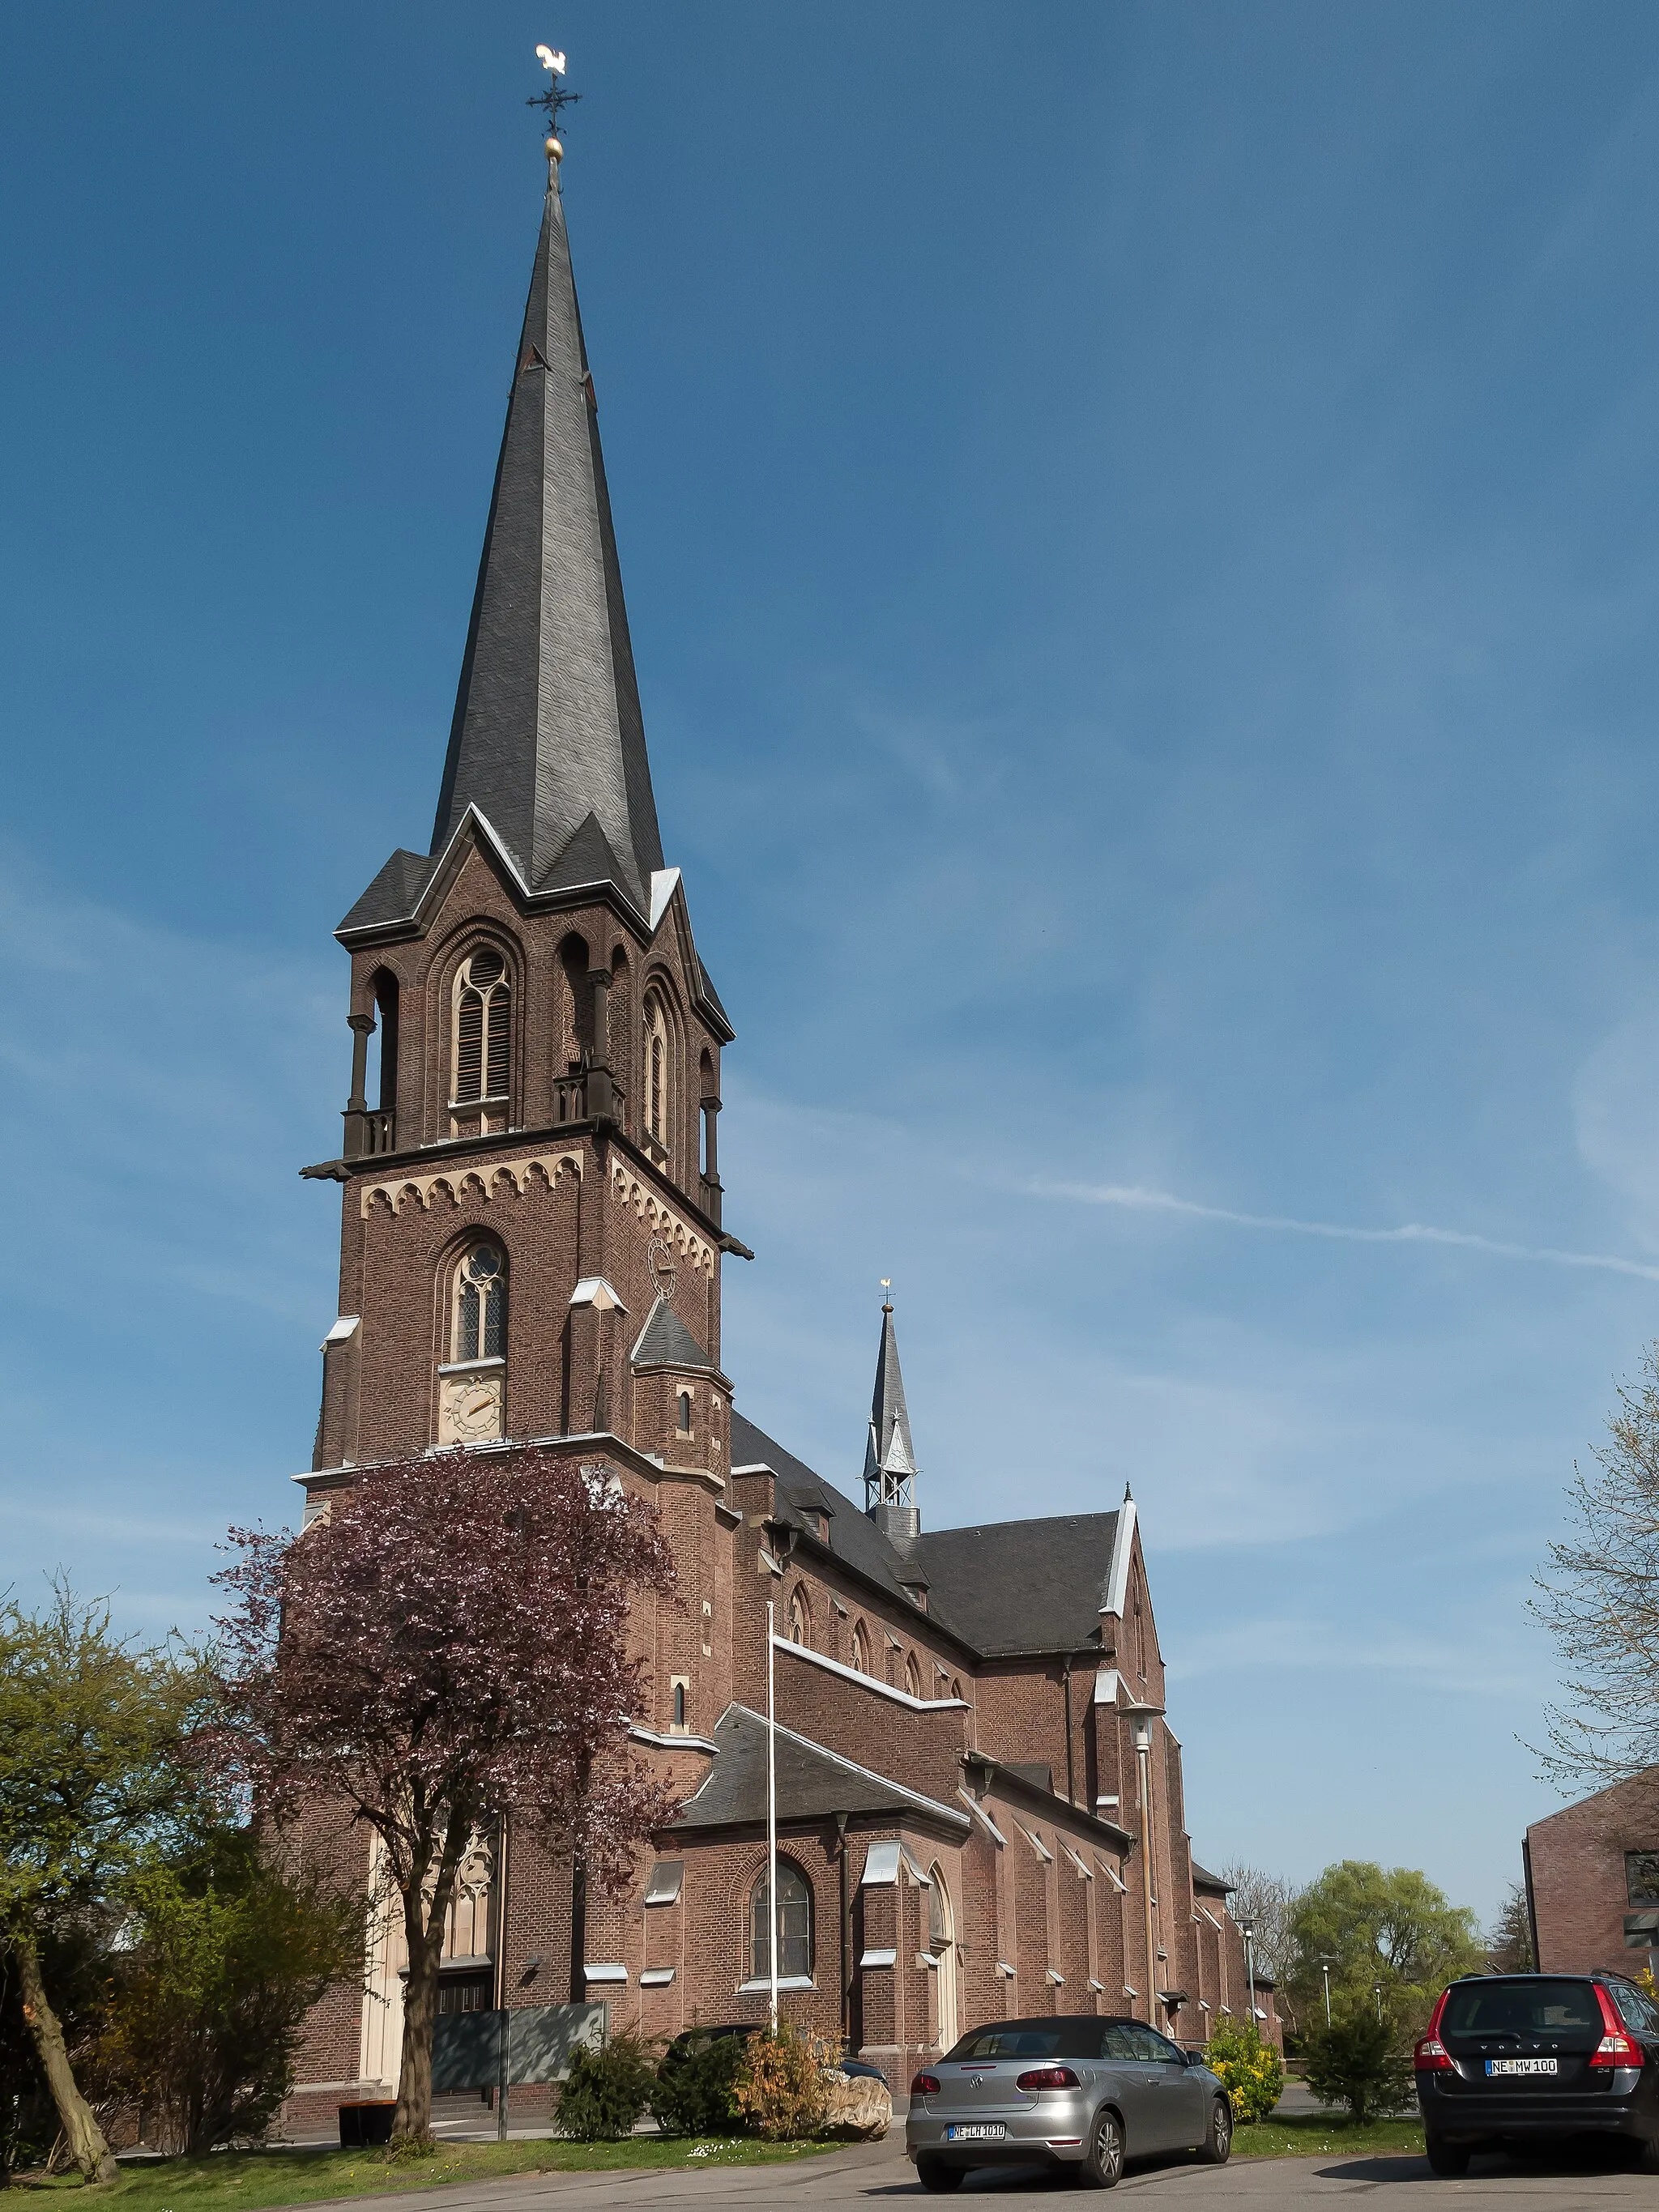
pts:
[1137, 1198]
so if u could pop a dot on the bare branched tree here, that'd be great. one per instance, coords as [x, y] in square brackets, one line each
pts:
[1599, 1599]
[1265, 1900]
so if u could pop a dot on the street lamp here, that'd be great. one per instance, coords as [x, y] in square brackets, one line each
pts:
[1324, 1968]
[1247, 1930]
[1378, 1988]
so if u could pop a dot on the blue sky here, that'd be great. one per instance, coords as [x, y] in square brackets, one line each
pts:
[1139, 525]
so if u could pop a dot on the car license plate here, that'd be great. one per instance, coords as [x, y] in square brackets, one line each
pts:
[1521, 2066]
[977, 2131]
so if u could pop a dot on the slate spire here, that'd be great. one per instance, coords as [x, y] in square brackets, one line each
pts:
[890, 1456]
[548, 741]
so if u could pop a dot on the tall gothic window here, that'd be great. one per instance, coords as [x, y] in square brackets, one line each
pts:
[860, 1649]
[480, 1322]
[799, 1626]
[484, 1016]
[656, 1072]
[794, 1927]
[913, 1676]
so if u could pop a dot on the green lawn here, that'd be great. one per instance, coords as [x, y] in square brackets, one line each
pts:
[1315, 2135]
[230, 2178]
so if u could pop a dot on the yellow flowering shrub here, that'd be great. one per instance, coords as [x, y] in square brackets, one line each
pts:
[1250, 2069]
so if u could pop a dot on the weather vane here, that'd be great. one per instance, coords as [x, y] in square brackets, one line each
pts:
[887, 1294]
[554, 99]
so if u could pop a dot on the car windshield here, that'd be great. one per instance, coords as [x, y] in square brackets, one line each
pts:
[1031, 2039]
[1530, 2008]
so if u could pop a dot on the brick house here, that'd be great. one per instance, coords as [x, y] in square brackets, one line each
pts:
[979, 1794]
[1592, 1873]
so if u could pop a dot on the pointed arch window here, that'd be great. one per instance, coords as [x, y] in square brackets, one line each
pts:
[799, 1625]
[479, 1327]
[860, 1648]
[483, 1021]
[794, 1927]
[913, 1676]
[657, 1103]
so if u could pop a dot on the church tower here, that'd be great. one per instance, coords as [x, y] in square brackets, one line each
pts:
[530, 1240]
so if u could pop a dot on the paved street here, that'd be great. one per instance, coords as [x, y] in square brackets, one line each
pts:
[873, 2173]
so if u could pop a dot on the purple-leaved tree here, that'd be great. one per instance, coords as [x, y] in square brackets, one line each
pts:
[449, 1645]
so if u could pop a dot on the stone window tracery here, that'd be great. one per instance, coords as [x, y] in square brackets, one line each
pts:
[799, 1625]
[860, 1648]
[480, 1316]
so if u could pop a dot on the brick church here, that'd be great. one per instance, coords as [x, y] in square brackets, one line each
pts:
[979, 1805]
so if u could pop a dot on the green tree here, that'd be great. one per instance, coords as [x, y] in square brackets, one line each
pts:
[228, 1954]
[91, 1782]
[1360, 2061]
[1387, 1935]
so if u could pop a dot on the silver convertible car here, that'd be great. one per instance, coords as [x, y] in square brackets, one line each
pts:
[1073, 2092]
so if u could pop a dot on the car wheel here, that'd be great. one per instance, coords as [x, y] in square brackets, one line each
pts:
[934, 2175]
[1450, 2160]
[1218, 2137]
[1103, 2164]
[1647, 2155]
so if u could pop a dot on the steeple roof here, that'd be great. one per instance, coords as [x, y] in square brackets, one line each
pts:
[548, 742]
[890, 1456]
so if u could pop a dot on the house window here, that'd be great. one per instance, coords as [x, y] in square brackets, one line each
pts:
[794, 1927]
[480, 1323]
[683, 1402]
[484, 1007]
[798, 1620]
[1641, 1877]
[860, 1649]
[656, 1072]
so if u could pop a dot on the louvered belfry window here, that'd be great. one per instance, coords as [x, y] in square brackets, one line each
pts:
[483, 1022]
[656, 1072]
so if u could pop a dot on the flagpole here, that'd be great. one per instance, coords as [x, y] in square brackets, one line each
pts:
[772, 1814]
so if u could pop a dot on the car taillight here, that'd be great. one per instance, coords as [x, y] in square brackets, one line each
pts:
[1615, 2048]
[1047, 2077]
[1431, 2056]
[925, 2085]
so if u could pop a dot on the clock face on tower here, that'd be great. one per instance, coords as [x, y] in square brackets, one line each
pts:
[470, 1409]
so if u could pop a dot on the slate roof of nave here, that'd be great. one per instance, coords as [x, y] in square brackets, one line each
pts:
[1004, 1589]
[812, 1782]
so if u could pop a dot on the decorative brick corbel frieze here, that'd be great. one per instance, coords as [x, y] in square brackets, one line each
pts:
[462, 1182]
[632, 1190]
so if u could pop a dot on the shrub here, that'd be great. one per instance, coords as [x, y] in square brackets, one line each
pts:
[694, 2092]
[1250, 2068]
[780, 2088]
[227, 1954]
[607, 2091]
[1361, 2062]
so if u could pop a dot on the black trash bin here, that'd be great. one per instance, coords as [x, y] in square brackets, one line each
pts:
[364, 2126]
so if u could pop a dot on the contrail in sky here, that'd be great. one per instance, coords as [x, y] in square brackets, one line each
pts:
[1135, 1198]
